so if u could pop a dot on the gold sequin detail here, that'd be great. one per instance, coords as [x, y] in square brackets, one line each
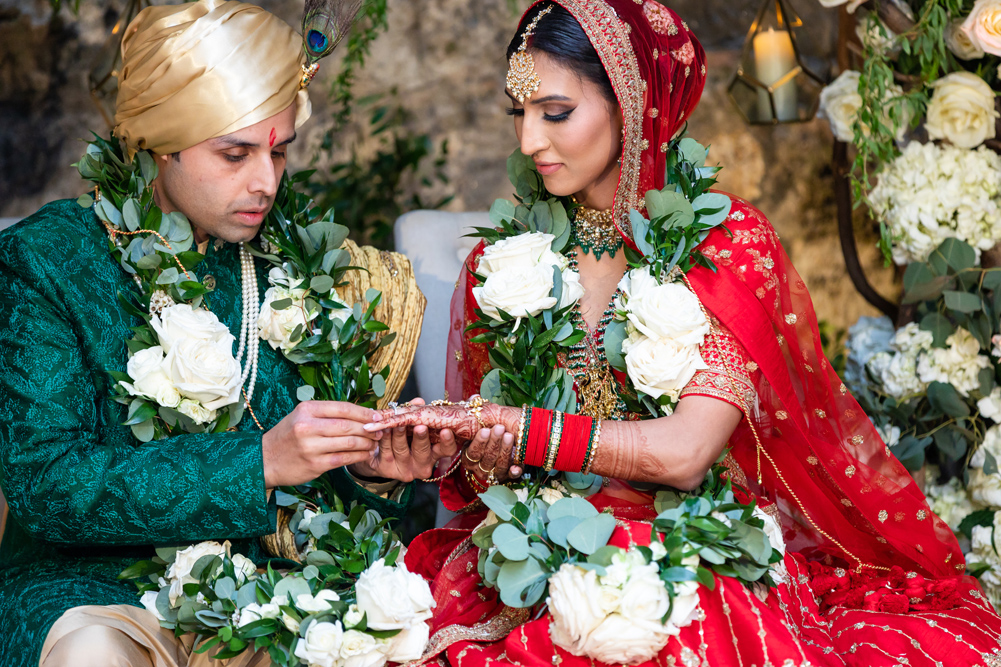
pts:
[644, 144]
[656, 54]
[791, 317]
[458, 355]
[808, 367]
[653, 113]
[820, 413]
[846, 502]
[884, 515]
[922, 514]
[751, 367]
[664, 146]
[781, 415]
[857, 440]
[843, 389]
[812, 460]
[850, 471]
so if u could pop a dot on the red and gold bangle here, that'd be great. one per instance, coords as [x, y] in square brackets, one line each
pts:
[573, 445]
[592, 447]
[555, 435]
[518, 454]
[474, 483]
[538, 437]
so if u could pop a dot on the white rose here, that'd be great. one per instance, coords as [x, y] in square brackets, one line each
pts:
[524, 251]
[960, 44]
[339, 315]
[657, 549]
[572, 289]
[359, 649]
[659, 311]
[149, 379]
[148, 600]
[322, 644]
[307, 516]
[852, 4]
[840, 102]
[204, 370]
[314, 604]
[575, 606]
[889, 434]
[290, 622]
[772, 530]
[249, 614]
[659, 367]
[353, 616]
[990, 406]
[245, 568]
[277, 326]
[409, 644]
[983, 26]
[961, 110]
[609, 598]
[644, 597]
[393, 598]
[626, 641]
[179, 572]
[870, 32]
[518, 291]
[550, 495]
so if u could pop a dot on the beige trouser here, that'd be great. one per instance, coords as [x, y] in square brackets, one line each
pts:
[125, 636]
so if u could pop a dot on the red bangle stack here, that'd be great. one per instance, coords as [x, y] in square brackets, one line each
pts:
[538, 437]
[572, 453]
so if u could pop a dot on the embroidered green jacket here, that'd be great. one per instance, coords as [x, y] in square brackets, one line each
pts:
[86, 498]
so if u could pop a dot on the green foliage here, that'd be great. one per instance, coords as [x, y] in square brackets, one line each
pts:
[533, 538]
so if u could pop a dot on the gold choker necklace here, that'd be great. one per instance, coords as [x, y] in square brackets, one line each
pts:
[595, 232]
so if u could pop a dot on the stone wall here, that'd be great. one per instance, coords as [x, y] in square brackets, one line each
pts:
[444, 59]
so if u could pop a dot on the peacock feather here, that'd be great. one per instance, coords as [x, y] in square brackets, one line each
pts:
[324, 24]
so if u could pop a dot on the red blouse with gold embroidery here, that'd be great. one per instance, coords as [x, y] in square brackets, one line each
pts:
[730, 374]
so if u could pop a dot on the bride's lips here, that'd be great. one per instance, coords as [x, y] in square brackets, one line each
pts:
[548, 168]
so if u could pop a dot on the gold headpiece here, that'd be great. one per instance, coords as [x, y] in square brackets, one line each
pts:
[522, 80]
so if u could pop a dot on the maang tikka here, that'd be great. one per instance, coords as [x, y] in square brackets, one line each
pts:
[522, 80]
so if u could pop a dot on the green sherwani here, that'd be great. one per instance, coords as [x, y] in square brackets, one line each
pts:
[86, 498]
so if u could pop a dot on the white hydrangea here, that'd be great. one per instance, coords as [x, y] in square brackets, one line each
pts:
[949, 501]
[931, 192]
[985, 550]
[897, 370]
[985, 490]
[959, 364]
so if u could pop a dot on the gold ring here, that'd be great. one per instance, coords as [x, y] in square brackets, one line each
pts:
[484, 470]
[469, 458]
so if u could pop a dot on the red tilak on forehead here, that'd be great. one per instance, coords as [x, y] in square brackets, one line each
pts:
[271, 138]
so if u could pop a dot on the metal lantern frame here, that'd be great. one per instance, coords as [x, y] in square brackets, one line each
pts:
[788, 20]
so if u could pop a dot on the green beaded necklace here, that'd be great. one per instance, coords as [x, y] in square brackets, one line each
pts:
[595, 232]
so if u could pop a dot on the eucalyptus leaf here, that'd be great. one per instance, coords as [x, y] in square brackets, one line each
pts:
[518, 582]
[490, 387]
[321, 284]
[500, 499]
[293, 587]
[573, 507]
[591, 534]
[144, 431]
[511, 542]
[305, 393]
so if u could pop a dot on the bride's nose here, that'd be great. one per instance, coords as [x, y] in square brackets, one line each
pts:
[533, 137]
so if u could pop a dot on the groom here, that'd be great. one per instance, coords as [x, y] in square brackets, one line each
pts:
[215, 92]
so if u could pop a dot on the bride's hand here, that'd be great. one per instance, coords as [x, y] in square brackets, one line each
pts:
[490, 452]
[456, 418]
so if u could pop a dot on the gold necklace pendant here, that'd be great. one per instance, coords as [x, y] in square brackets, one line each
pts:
[595, 232]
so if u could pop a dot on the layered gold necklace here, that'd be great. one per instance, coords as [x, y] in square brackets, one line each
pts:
[594, 231]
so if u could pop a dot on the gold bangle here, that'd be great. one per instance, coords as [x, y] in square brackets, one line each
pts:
[594, 448]
[474, 483]
[555, 434]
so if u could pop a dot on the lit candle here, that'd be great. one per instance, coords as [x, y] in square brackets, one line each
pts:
[773, 59]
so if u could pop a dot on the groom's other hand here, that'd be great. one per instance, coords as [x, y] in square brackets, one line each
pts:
[406, 460]
[315, 437]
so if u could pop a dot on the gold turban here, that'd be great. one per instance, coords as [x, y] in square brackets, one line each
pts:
[197, 71]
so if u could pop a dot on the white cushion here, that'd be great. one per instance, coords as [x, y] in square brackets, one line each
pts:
[435, 243]
[7, 222]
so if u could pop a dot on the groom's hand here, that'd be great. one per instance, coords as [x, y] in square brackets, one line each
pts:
[315, 437]
[406, 460]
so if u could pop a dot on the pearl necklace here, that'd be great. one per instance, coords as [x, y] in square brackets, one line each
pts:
[249, 340]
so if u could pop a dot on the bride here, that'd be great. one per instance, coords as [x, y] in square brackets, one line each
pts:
[600, 89]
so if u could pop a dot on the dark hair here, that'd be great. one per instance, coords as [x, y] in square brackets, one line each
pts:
[561, 37]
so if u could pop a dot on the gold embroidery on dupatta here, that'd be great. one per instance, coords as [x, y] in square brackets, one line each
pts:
[610, 37]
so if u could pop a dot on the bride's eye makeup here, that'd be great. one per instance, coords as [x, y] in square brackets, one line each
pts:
[557, 118]
[511, 111]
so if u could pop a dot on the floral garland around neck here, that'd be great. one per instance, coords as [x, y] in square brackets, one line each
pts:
[182, 376]
[351, 601]
[528, 289]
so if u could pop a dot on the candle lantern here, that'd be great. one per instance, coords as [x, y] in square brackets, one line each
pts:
[773, 82]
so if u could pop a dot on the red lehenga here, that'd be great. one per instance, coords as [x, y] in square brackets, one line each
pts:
[873, 577]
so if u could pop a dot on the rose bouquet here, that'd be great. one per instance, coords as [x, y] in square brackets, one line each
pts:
[659, 323]
[612, 603]
[349, 603]
[525, 293]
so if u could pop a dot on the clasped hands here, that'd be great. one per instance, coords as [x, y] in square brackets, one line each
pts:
[403, 443]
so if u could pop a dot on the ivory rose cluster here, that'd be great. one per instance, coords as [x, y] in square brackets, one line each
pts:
[192, 369]
[518, 273]
[840, 102]
[278, 326]
[983, 26]
[617, 617]
[962, 110]
[666, 326]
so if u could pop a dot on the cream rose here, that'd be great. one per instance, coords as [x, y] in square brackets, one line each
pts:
[353, 616]
[409, 644]
[359, 649]
[277, 326]
[149, 379]
[644, 597]
[245, 568]
[321, 645]
[840, 102]
[983, 26]
[204, 371]
[961, 110]
[520, 292]
[626, 641]
[182, 322]
[194, 411]
[523, 251]
[660, 311]
[179, 572]
[313, 604]
[148, 600]
[575, 606]
[572, 289]
[393, 598]
[550, 495]
[960, 43]
[659, 367]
